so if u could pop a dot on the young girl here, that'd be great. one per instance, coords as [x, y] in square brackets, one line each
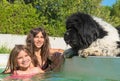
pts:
[21, 63]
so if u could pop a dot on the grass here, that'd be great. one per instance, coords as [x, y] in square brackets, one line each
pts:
[4, 50]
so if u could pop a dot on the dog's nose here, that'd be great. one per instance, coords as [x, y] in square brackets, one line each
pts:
[67, 41]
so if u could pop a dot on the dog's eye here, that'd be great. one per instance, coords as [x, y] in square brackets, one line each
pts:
[66, 33]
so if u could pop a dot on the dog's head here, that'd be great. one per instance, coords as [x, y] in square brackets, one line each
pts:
[71, 38]
[81, 30]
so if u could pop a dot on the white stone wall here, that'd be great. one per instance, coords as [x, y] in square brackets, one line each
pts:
[9, 41]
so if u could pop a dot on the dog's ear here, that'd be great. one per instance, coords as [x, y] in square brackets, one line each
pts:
[86, 27]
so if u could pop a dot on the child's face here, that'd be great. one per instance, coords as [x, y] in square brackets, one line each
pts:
[23, 60]
[39, 40]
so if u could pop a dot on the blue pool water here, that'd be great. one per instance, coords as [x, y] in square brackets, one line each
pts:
[83, 69]
[41, 77]
[58, 77]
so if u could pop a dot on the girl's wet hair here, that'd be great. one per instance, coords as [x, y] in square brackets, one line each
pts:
[12, 61]
[30, 43]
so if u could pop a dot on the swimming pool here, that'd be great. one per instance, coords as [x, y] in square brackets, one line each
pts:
[83, 69]
[93, 68]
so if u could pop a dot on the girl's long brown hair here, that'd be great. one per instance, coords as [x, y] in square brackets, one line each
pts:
[30, 43]
[12, 61]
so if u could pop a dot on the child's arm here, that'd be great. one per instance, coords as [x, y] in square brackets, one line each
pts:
[40, 70]
[7, 71]
[53, 50]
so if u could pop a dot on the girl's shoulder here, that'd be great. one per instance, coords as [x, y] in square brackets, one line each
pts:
[37, 70]
[56, 55]
[19, 72]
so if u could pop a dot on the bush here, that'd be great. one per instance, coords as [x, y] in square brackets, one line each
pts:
[3, 49]
[17, 18]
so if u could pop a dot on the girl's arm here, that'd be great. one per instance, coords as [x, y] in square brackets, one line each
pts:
[53, 50]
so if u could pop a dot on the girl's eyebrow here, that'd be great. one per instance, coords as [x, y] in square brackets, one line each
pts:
[19, 57]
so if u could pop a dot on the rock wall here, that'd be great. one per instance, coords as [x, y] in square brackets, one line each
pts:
[9, 41]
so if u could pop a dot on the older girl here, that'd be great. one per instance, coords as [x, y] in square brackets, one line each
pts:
[38, 43]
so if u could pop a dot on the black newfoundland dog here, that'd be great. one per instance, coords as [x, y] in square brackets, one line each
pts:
[91, 36]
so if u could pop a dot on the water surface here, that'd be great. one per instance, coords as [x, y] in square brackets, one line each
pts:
[82, 69]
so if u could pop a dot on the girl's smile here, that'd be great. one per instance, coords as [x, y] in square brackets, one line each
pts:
[23, 60]
[39, 40]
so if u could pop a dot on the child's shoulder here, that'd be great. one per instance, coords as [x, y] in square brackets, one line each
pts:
[37, 70]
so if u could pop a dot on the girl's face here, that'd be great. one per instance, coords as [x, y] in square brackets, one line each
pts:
[39, 40]
[23, 60]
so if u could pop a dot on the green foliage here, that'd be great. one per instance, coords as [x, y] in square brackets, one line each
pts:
[53, 19]
[19, 16]
[116, 9]
[3, 49]
[115, 13]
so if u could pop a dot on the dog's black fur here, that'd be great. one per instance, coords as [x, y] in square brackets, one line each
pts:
[85, 35]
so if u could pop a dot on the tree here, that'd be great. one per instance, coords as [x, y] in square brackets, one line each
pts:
[17, 18]
[51, 14]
